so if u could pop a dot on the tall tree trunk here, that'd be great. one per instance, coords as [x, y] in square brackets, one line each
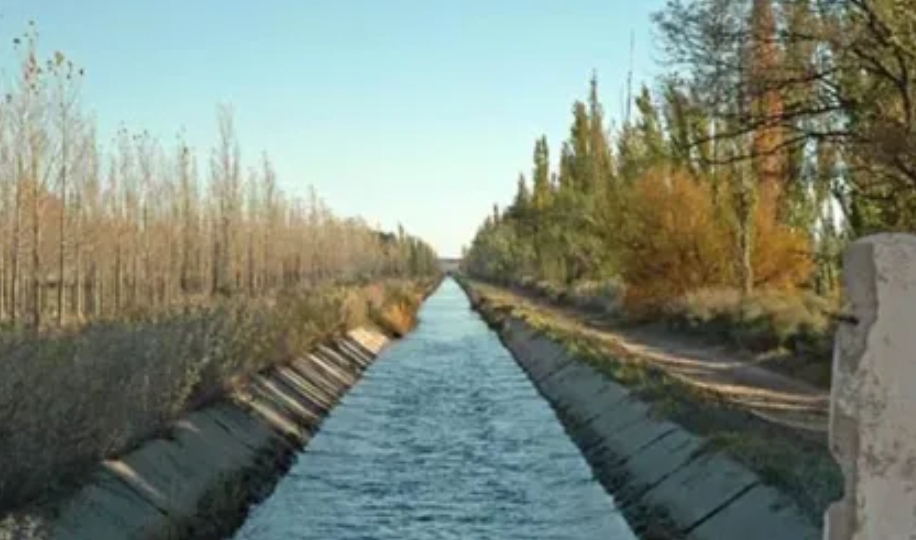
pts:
[62, 231]
[214, 268]
[36, 242]
[745, 214]
[117, 289]
[78, 302]
[16, 242]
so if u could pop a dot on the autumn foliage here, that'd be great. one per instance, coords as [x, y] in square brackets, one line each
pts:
[676, 241]
[679, 240]
[394, 308]
[782, 254]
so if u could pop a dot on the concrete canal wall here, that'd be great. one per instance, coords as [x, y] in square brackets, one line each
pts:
[198, 481]
[664, 479]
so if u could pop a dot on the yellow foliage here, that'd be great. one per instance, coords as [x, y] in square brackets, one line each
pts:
[676, 240]
[398, 318]
[396, 313]
[782, 255]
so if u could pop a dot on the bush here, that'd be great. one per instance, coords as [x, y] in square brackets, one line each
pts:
[679, 238]
[72, 399]
[554, 292]
[604, 296]
[396, 312]
[764, 320]
[677, 241]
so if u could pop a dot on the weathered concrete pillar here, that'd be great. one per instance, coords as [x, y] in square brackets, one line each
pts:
[873, 399]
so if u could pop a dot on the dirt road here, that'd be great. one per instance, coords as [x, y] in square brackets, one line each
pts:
[737, 376]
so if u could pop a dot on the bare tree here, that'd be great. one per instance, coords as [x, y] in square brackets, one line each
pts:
[88, 233]
[226, 191]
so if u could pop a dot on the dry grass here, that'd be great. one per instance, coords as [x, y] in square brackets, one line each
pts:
[599, 296]
[72, 399]
[795, 325]
[766, 319]
[793, 329]
[397, 312]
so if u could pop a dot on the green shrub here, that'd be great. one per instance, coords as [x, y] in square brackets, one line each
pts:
[554, 292]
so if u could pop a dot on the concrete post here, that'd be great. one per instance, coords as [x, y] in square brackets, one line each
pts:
[873, 398]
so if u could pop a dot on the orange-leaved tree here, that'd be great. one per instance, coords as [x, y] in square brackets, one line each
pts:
[673, 239]
[676, 239]
[781, 254]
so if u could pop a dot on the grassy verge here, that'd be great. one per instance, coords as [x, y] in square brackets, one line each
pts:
[802, 469]
[794, 329]
[792, 332]
[71, 399]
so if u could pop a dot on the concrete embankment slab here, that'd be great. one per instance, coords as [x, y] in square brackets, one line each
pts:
[172, 487]
[656, 470]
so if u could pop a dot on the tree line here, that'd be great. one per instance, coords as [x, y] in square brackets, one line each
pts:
[88, 233]
[781, 130]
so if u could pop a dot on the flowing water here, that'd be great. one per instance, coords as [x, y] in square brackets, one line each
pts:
[444, 438]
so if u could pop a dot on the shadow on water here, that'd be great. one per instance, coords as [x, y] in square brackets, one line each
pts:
[443, 438]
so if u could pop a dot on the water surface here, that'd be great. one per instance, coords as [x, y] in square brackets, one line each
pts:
[444, 438]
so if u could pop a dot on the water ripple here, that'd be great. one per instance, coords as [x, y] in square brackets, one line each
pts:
[444, 438]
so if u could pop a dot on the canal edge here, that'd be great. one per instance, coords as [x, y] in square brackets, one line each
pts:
[201, 479]
[666, 481]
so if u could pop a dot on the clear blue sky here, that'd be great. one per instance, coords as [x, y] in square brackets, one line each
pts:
[414, 111]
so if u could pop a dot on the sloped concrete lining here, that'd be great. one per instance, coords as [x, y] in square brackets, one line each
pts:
[658, 472]
[220, 458]
[873, 399]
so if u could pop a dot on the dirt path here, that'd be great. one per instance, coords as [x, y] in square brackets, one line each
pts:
[734, 375]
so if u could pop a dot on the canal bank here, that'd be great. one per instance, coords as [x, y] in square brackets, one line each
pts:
[668, 482]
[444, 437]
[199, 478]
[198, 481]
